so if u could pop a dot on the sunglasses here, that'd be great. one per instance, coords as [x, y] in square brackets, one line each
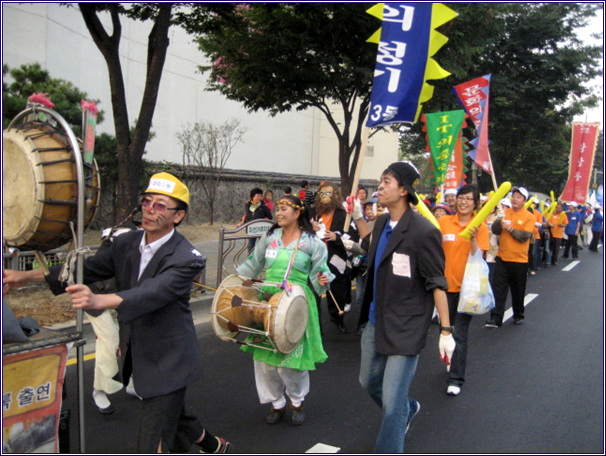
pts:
[158, 207]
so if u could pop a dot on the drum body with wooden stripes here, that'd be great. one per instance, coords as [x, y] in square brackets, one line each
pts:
[40, 188]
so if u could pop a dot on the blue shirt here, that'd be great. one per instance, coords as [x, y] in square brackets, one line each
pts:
[382, 244]
[598, 220]
[573, 222]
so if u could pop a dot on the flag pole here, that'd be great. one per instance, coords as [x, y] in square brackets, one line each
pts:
[494, 179]
[354, 185]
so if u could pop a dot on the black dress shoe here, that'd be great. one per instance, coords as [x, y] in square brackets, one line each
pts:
[342, 328]
[103, 405]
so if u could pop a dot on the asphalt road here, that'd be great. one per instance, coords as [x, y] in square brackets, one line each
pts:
[533, 388]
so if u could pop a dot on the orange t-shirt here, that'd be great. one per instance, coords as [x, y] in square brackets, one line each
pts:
[559, 222]
[457, 248]
[510, 249]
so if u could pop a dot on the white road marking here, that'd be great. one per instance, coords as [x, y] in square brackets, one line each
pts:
[570, 266]
[323, 448]
[527, 300]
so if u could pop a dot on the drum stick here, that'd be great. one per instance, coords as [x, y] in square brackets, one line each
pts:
[336, 303]
[204, 286]
[41, 259]
[354, 185]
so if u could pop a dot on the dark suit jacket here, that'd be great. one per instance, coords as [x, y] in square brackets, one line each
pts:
[412, 266]
[157, 334]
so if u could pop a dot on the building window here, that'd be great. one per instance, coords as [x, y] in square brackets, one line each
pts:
[370, 151]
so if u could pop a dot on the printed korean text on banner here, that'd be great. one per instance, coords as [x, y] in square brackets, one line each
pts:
[584, 140]
[455, 176]
[474, 96]
[32, 390]
[407, 41]
[443, 129]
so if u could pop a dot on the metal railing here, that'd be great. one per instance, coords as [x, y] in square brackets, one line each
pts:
[228, 241]
[25, 261]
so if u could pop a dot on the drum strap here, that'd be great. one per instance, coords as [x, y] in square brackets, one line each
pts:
[286, 286]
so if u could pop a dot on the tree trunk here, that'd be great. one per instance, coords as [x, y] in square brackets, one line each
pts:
[130, 152]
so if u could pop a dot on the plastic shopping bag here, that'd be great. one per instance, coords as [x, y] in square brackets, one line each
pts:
[476, 297]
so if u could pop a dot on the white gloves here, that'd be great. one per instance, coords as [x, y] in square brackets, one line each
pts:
[357, 209]
[500, 213]
[447, 345]
[352, 206]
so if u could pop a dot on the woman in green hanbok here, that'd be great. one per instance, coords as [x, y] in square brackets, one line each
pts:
[289, 251]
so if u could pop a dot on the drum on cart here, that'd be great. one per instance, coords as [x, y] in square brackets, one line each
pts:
[40, 187]
[238, 308]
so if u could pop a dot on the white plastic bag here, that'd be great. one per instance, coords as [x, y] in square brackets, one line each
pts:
[476, 297]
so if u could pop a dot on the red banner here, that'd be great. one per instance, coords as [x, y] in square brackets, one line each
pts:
[474, 96]
[582, 150]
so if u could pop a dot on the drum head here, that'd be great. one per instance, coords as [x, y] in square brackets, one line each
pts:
[22, 188]
[290, 320]
[222, 333]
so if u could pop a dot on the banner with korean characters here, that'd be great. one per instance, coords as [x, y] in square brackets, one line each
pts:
[582, 151]
[443, 130]
[32, 390]
[407, 41]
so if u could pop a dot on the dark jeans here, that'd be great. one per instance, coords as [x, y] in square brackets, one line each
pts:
[508, 274]
[555, 249]
[461, 321]
[595, 240]
[571, 242]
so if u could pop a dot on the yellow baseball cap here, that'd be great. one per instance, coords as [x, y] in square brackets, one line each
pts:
[167, 184]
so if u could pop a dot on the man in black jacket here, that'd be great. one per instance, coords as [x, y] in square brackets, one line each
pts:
[405, 279]
[154, 269]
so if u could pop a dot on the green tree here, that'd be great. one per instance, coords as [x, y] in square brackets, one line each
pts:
[19, 84]
[540, 80]
[283, 56]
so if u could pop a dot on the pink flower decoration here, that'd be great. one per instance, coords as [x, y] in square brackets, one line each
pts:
[41, 98]
[89, 106]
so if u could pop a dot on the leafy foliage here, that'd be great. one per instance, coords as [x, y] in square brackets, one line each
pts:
[540, 79]
[279, 57]
[31, 78]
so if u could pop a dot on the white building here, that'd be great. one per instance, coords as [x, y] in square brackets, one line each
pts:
[292, 143]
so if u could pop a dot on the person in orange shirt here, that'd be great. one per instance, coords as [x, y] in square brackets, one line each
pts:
[535, 240]
[456, 250]
[515, 226]
[557, 222]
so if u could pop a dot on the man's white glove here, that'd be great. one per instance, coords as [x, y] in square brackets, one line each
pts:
[500, 213]
[447, 345]
[352, 206]
[357, 209]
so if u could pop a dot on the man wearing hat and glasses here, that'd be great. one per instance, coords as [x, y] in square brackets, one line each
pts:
[405, 279]
[154, 269]
[515, 226]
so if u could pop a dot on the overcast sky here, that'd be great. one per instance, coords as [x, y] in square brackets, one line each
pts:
[595, 115]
